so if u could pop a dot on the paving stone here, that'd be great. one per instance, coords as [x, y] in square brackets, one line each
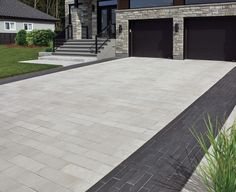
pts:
[82, 173]
[14, 172]
[86, 121]
[4, 165]
[27, 163]
[58, 177]
[22, 189]
[88, 163]
[50, 187]
[49, 160]
[169, 153]
[110, 160]
[7, 184]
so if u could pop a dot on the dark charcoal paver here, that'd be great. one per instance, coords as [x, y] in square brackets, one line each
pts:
[166, 162]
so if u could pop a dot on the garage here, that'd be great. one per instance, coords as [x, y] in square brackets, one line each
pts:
[151, 38]
[210, 38]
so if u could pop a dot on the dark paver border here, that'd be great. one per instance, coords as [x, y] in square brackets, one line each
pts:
[167, 161]
[50, 71]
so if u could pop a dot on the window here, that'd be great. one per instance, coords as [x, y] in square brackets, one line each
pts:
[107, 2]
[10, 26]
[207, 1]
[149, 3]
[28, 26]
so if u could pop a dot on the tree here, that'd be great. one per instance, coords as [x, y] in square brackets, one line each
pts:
[56, 8]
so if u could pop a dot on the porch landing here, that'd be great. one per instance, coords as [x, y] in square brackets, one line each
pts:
[61, 60]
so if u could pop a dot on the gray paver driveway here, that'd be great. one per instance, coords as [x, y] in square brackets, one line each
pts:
[65, 131]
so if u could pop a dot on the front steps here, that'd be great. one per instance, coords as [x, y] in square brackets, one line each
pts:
[86, 48]
[83, 47]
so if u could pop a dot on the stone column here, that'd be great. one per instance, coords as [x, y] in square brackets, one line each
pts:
[94, 18]
[178, 38]
[76, 23]
[122, 39]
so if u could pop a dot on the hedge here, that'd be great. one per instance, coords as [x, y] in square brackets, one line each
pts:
[37, 37]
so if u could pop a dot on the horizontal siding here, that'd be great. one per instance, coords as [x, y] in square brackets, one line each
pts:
[19, 25]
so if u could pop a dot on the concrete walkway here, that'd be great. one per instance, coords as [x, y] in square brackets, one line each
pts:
[61, 60]
[65, 131]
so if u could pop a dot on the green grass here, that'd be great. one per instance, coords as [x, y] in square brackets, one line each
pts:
[219, 172]
[10, 57]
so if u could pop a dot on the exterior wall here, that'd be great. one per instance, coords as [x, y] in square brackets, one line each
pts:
[178, 13]
[19, 25]
[82, 16]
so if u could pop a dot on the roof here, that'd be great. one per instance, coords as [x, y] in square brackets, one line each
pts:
[17, 9]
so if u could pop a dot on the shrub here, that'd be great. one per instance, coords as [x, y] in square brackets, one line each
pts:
[219, 172]
[49, 49]
[40, 37]
[29, 38]
[21, 38]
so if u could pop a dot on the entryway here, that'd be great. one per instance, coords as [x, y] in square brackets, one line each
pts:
[107, 18]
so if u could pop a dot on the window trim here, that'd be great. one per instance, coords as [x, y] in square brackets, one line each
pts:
[27, 26]
[10, 29]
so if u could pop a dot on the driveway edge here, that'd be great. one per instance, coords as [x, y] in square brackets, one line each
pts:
[50, 71]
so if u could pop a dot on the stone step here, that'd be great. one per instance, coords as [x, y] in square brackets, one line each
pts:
[81, 44]
[85, 40]
[75, 54]
[64, 58]
[62, 49]
[77, 49]
[77, 46]
[66, 45]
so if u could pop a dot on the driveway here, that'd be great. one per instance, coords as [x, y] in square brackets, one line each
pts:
[65, 131]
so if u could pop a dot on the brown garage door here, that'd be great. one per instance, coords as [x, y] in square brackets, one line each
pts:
[151, 38]
[210, 38]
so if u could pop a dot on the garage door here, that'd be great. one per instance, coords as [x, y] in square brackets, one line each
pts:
[151, 38]
[210, 38]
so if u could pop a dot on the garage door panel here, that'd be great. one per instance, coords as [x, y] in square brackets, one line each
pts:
[151, 38]
[210, 38]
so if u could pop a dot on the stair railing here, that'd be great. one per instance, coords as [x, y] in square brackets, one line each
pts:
[62, 37]
[106, 34]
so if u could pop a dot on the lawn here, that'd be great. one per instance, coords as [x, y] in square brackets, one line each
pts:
[10, 57]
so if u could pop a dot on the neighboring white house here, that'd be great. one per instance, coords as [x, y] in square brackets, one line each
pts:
[15, 15]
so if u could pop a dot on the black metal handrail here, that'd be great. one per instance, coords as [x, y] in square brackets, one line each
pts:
[106, 33]
[62, 37]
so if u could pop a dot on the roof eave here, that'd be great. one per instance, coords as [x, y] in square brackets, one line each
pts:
[26, 18]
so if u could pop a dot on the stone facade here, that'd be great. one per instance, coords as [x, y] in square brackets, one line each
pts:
[82, 17]
[177, 13]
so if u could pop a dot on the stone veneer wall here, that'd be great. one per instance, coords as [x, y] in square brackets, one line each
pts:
[83, 16]
[178, 13]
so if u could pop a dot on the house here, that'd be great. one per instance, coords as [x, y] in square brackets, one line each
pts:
[178, 29]
[15, 15]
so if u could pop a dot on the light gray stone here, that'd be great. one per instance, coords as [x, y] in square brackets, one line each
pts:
[177, 13]
[93, 118]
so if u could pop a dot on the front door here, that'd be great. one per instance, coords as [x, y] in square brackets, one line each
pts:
[107, 18]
